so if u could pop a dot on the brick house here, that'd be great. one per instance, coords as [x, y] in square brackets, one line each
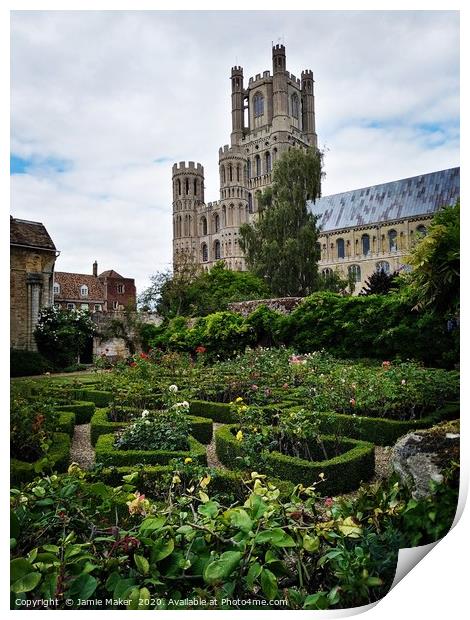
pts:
[32, 259]
[106, 292]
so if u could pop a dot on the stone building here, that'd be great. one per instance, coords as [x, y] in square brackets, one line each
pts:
[373, 228]
[272, 114]
[362, 230]
[106, 292]
[32, 259]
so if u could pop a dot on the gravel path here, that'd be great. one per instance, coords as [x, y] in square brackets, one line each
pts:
[81, 451]
[212, 460]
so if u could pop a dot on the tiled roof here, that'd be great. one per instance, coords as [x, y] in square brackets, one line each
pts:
[70, 284]
[412, 197]
[110, 273]
[32, 234]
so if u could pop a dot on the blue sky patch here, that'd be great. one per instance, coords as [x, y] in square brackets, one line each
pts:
[22, 165]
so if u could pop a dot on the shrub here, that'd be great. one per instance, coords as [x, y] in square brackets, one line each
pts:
[24, 363]
[99, 397]
[108, 454]
[57, 459]
[31, 426]
[157, 430]
[66, 423]
[83, 411]
[218, 412]
[342, 473]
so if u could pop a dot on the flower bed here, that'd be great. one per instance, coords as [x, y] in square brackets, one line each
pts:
[58, 455]
[201, 428]
[107, 453]
[342, 473]
[83, 410]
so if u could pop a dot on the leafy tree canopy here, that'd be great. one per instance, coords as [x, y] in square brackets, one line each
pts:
[281, 246]
[380, 283]
[434, 282]
[198, 293]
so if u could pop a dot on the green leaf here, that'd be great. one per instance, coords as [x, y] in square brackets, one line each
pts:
[209, 509]
[253, 573]
[374, 581]
[152, 524]
[311, 543]
[350, 529]
[257, 505]
[142, 564]
[162, 550]
[51, 548]
[26, 583]
[316, 601]
[239, 518]
[277, 537]
[83, 587]
[269, 584]
[220, 569]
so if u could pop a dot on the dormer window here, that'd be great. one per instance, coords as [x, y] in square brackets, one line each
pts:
[56, 288]
[83, 290]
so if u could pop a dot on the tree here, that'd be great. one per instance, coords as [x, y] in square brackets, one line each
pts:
[203, 293]
[334, 282]
[379, 283]
[62, 335]
[434, 283]
[281, 246]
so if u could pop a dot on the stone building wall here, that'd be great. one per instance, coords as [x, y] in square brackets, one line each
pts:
[31, 274]
[284, 305]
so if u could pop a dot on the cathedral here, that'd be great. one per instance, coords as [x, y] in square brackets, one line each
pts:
[274, 113]
[361, 231]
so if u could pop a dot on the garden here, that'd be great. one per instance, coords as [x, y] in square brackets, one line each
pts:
[181, 479]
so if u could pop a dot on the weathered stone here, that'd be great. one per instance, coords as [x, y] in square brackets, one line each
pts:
[284, 305]
[422, 456]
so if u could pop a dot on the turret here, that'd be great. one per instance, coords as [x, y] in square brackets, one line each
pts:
[280, 104]
[188, 195]
[237, 104]
[308, 107]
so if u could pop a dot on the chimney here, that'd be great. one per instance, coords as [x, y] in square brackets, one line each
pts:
[95, 269]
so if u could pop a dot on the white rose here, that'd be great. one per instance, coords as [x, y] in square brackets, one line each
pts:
[173, 388]
[145, 413]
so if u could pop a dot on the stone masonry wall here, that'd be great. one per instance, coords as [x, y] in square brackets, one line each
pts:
[284, 305]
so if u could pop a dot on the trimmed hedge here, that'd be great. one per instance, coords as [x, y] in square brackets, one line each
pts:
[109, 455]
[201, 428]
[59, 454]
[99, 397]
[27, 363]
[83, 410]
[343, 473]
[380, 431]
[66, 422]
[222, 480]
[218, 412]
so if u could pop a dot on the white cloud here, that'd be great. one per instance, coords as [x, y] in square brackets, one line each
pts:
[121, 95]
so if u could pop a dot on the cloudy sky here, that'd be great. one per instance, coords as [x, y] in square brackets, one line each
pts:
[104, 102]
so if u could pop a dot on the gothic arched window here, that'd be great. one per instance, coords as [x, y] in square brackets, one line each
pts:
[295, 105]
[204, 252]
[249, 168]
[204, 225]
[422, 230]
[187, 186]
[268, 162]
[195, 187]
[222, 170]
[258, 165]
[382, 265]
[340, 248]
[238, 172]
[355, 272]
[217, 250]
[365, 242]
[230, 172]
[258, 104]
[327, 272]
[392, 240]
[250, 203]
[216, 222]
[178, 185]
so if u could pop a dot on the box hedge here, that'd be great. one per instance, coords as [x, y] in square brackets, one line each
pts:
[107, 454]
[201, 428]
[27, 363]
[83, 410]
[343, 473]
[59, 455]
[380, 431]
[222, 480]
[99, 397]
[218, 412]
[66, 422]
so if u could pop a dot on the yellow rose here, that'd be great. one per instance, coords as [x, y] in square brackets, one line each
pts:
[188, 460]
[239, 436]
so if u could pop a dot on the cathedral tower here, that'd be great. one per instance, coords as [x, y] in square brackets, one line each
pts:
[188, 197]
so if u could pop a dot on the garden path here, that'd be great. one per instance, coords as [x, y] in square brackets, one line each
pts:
[212, 460]
[82, 451]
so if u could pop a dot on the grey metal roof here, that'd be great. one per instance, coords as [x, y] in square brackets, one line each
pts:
[412, 197]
